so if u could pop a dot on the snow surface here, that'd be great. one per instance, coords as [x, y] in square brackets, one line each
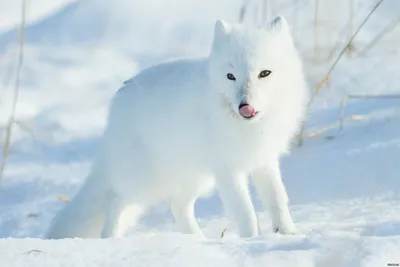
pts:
[343, 185]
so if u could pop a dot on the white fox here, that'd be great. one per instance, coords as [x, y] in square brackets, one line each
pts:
[180, 129]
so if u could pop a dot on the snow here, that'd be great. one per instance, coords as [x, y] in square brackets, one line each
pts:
[10, 11]
[343, 185]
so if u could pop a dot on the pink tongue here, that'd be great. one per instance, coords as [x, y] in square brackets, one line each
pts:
[247, 111]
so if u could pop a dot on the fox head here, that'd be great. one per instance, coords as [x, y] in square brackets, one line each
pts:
[252, 69]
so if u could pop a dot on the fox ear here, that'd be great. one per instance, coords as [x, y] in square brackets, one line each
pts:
[278, 25]
[222, 28]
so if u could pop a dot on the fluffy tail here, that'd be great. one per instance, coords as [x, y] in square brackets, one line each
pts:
[84, 216]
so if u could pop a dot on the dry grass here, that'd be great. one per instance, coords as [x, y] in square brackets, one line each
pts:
[327, 76]
[11, 120]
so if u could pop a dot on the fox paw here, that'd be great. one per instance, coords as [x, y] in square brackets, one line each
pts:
[292, 230]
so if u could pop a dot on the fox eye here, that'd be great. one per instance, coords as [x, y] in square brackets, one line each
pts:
[264, 74]
[231, 77]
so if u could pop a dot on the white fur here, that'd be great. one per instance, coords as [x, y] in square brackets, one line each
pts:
[174, 133]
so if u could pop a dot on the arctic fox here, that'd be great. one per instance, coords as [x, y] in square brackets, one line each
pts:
[180, 129]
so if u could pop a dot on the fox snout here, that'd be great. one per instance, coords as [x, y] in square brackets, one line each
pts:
[246, 106]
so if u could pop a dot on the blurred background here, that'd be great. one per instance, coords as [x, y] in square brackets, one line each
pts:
[62, 61]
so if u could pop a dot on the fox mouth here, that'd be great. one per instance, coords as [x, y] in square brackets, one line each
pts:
[247, 111]
[244, 110]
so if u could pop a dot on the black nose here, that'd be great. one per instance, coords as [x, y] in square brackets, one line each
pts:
[243, 104]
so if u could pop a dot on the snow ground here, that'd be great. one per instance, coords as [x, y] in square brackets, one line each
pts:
[343, 185]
